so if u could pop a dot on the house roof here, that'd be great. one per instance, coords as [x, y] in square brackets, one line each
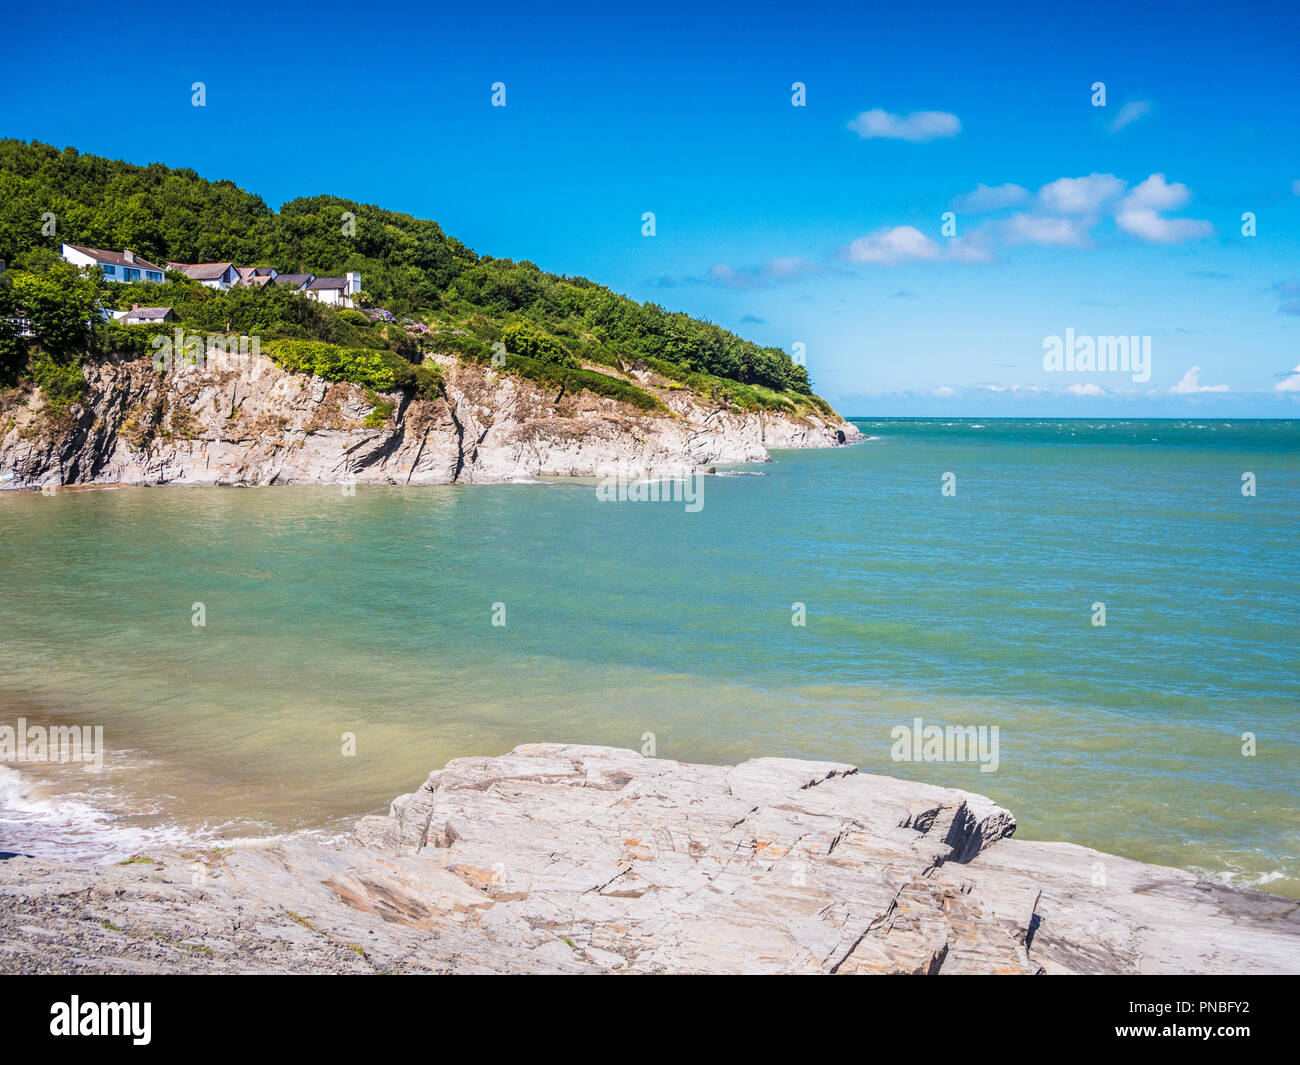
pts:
[329, 282]
[202, 271]
[256, 281]
[294, 279]
[115, 258]
[147, 313]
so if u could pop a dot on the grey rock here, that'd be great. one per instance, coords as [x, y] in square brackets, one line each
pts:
[255, 424]
[571, 859]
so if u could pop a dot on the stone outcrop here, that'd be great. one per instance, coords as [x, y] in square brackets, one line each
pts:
[586, 859]
[258, 425]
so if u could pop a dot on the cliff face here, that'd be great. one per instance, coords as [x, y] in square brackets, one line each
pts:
[570, 859]
[258, 425]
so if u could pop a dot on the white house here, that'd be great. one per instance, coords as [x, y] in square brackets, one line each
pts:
[116, 265]
[138, 315]
[212, 275]
[335, 291]
[256, 276]
[298, 282]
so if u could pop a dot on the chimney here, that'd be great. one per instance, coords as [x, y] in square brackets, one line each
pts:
[353, 285]
[129, 255]
[135, 306]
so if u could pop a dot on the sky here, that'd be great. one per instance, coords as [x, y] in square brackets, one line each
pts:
[818, 228]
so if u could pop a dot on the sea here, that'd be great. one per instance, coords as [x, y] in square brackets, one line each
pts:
[1111, 606]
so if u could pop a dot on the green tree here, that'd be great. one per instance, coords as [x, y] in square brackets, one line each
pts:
[520, 338]
[408, 265]
[13, 346]
[62, 307]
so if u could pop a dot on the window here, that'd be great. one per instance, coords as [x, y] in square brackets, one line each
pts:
[153, 275]
[109, 271]
[131, 275]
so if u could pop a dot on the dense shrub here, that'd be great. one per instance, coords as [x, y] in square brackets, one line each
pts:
[521, 338]
[13, 345]
[379, 371]
[408, 265]
[466, 346]
[62, 382]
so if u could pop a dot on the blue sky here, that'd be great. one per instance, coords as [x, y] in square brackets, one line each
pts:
[819, 225]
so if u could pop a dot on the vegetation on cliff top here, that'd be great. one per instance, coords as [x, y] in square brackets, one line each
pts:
[550, 327]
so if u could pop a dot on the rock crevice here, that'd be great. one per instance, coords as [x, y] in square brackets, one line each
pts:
[259, 425]
[557, 858]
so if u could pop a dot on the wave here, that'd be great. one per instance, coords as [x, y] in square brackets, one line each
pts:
[68, 828]
[1245, 879]
[71, 828]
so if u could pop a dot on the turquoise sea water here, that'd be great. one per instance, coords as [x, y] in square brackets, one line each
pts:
[372, 614]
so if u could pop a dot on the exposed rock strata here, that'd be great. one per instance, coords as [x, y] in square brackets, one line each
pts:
[586, 859]
[258, 425]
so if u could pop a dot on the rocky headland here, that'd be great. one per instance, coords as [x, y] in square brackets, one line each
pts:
[256, 424]
[568, 859]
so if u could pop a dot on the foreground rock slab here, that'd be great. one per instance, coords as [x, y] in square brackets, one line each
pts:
[577, 859]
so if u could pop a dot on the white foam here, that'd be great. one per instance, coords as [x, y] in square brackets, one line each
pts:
[1242, 879]
[67, 828]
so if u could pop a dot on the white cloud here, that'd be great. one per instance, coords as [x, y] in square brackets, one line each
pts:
[785, 267]
[1191, 382]
[1291, 383]
[1130, 113]
[1139, 213]
[774, 271]
[890, 247]
[918, 126]
[1045, 230]
[1146, 224]
[1063, 214]
[990, 198]
[945, 391]
[1086, 390]
[975, 248]
[1081, 195]
[1157, 194]
[733, 278]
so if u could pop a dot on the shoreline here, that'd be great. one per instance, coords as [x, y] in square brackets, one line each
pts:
[104, 843]
[131, 814]
[262, 425]
[648, 865]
